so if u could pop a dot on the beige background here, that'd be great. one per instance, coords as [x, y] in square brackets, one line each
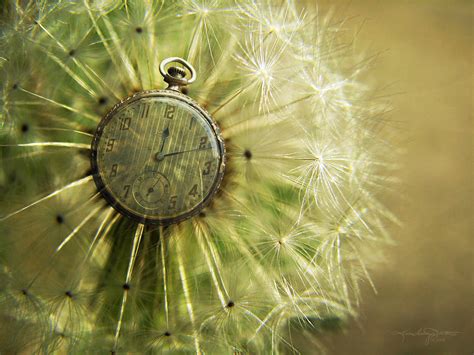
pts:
[427, 56]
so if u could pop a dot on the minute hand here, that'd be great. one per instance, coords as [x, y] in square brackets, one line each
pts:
[184, 151]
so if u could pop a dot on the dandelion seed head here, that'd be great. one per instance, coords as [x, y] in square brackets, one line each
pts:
[296, 222]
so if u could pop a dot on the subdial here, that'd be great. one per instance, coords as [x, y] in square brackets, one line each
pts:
[151, 190]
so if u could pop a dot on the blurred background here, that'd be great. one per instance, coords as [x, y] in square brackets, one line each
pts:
[424, 301]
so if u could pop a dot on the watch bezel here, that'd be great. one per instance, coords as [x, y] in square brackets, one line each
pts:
[107, 194]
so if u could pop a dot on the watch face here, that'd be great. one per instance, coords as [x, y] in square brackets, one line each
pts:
[157, 157]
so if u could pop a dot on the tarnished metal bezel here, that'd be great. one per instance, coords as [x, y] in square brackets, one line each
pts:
[117, 205]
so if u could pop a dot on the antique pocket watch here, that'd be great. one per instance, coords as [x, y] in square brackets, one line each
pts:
[157, 156]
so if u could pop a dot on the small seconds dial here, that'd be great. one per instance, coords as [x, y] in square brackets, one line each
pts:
[157, 157]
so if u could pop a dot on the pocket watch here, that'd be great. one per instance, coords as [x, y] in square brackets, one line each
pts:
[157, 156]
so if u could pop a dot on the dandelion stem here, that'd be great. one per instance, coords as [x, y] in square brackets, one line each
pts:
[200, 235]
[54, 193]
[69, 108]
[80, 65]
[229, 100]
[77, 228]
[195, 41]
[50, 144]
[60, 45]
[187, 295]
[52, 259]
[214, 79]
[256, 120]
[123, 56]
[105, 224]
[104, 41]
[73, 75]
[131, 263]
[64, 130]
[163, 266]
[110, 211]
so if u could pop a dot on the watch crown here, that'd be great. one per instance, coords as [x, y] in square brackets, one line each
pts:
[176, 76]
[177, 72]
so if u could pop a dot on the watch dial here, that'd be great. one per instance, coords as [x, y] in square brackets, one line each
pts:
[157, 157]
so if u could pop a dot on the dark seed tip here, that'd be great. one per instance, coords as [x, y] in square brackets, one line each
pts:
[248, 154]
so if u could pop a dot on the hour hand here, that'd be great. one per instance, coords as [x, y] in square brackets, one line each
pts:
[166, 132]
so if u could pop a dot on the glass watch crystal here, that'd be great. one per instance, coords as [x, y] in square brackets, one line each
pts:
[157, 156]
